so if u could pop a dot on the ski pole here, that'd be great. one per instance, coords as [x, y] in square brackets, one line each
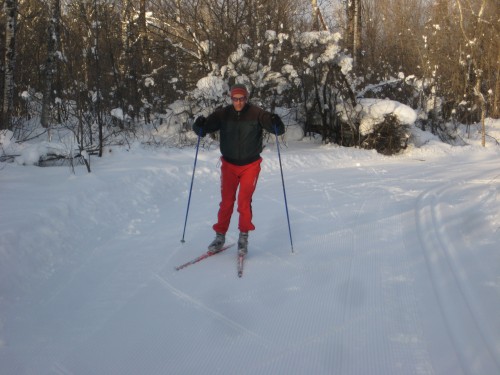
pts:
[191, 188]
[283, 183]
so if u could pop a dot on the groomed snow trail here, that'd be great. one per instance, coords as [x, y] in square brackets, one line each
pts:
[386, 278]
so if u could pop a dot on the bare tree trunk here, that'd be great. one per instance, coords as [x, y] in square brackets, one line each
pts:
[51, 64]
[96, 51]
[318, 20]
[143, 56]
[125, 59]
[483, 103]
[126, 19]
[354, 29]
[10, 59]
[131, 56]
[356, 38]
[496, 99]
[143, 34]
[475, 69]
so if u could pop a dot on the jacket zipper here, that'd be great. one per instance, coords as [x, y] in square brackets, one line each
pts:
[238, 114]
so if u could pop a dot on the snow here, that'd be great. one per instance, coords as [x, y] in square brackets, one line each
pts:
[149, 81]
[395, 269]
[314, 38]
[270, 35]
[211, 88]
[372, 112]
[117, 113]
[30, 153]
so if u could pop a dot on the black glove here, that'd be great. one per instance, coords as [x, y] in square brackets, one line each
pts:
[198, 126]
[278, 125]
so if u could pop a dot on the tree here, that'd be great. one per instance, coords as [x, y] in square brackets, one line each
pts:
[496, 96]
[10, 59]
[354, 29]
[95, 50]
[318, 20]
[460, 56]
[474, 22]
[52, 59]
[305, 72]
[134, 60]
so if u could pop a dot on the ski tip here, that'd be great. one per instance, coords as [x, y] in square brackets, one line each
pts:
[240, 265]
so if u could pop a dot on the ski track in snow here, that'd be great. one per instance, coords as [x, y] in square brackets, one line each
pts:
[375, 286]
[201, 305]
[351, 292]
[458, 303]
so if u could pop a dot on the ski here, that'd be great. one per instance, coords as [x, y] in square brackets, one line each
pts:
[241, 258]
[201, 257]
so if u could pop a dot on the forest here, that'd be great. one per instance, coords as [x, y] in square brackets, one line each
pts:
[104, 70]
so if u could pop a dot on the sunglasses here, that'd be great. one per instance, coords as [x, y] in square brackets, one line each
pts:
[241, 100]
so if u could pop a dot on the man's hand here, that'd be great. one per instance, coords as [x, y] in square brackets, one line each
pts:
[278, 125]
[198, 126]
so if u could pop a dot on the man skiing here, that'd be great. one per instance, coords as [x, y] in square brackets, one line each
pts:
[241, 128]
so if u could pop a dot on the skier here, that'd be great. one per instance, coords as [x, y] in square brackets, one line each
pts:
[241, 128]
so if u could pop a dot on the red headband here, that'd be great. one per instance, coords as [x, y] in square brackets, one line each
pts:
[239, 89]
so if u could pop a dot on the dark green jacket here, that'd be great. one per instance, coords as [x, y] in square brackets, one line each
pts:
[241, 132]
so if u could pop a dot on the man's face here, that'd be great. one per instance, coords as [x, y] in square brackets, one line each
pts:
[239, 101]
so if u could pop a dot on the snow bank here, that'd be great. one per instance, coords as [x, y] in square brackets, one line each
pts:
[8, 143]
[372, 112]
[83, 209]
[31, 154]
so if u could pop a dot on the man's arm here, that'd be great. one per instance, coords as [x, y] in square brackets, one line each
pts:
[272, 122]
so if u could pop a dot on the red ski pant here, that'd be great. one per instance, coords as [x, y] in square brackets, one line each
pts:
[233, 177]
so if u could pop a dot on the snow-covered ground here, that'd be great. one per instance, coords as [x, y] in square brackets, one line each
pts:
[395, 270]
